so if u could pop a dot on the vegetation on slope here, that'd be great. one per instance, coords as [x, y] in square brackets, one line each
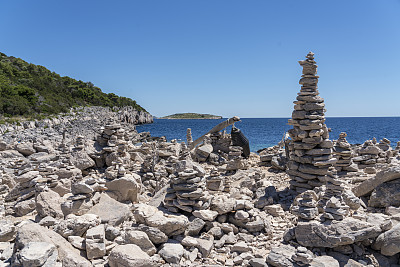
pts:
[191, 116]
[27, 89]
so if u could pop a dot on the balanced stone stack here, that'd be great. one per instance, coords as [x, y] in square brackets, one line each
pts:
[235, 160]
[310, 148]
[118, 161]
[344, 154]
[215, 182]
[187, 191]
[189, 137]
[336, 209]
[387, 154]
[305, 205]
[368, 155]
[108, 140]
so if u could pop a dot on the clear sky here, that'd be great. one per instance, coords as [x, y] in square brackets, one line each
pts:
[225, 57]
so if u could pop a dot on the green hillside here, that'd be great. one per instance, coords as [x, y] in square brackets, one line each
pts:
[29, 89]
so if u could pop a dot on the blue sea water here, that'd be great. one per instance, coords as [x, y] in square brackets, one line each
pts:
[266, 132]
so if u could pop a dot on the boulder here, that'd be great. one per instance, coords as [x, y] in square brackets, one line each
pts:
[203, 151]
[389, 242]
[167, 223]
[129, 255]
[49, 203]
[25, 149]
[31, 232]
[335, 233]
[381, 177]
[324, 261]
[110, 211]
[81, 160]
[38, 254]
[222, 204]
[195, 227]
[81, 188]
[126, 188]
[95, 242]
[140, 239]
[386, 195]
[206, 215]
[26, 177]
[172, 252]
[7, 231]
[24, 207]
[41, 157]
[281, 256]
[154, 234]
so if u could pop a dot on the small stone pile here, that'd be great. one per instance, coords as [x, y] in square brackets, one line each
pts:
[187, 190]
[118, 161]
[303, 256]
[310, 148]
[387, 154]
[336, 209]
[221, 141]
[305, 205]
[215, 182]
[235, 160]
[344, 154]
[368, 155]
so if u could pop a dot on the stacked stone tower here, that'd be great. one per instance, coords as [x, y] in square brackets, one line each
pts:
[310, 148]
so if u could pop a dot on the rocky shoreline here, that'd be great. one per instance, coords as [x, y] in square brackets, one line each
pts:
[88, 190]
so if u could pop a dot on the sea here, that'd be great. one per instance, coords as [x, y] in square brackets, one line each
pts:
[267, 132]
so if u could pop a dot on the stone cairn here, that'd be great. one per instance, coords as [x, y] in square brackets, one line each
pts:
[387, 154]
[187, 190]
[189, 137]
[344, 155]
[305, 205]
[235, 160]
[310, 148]
[368, 156]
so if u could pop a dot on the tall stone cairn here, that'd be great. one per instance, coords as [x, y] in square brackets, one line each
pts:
[310, 147]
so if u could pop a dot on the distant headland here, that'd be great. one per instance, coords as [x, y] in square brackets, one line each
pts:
[180, 116]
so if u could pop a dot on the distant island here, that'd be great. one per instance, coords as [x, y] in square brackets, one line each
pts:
[179, 116]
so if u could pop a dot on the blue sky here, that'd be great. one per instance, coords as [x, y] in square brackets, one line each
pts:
[225, 57]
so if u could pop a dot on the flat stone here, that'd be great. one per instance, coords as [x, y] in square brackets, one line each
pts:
[36, 253]
[7, 231]
[81, 188]
[389, 242]
[206, 215]
[171, 252]
[126, 188]
[336, 233]
[167, 223]
[195, 227]
[129, 255]
[110, 211]
[33, 232]
[95, 242]
[240, 247]
[49, 203]
[140, 239]
[281, 256]
[155, 235]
